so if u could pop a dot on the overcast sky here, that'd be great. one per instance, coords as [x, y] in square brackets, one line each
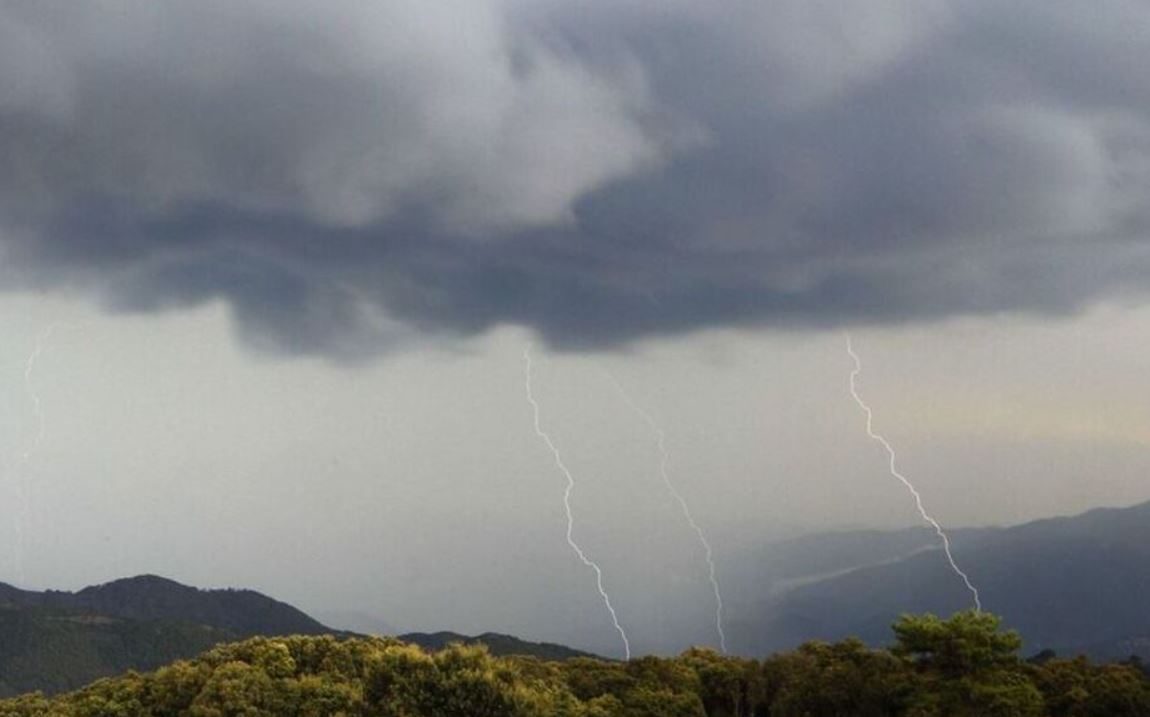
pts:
[293, 253]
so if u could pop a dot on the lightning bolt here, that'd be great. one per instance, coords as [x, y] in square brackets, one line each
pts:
[664, 459]
[33, 396]
[567, 506]
[903, 479]
[25, 464]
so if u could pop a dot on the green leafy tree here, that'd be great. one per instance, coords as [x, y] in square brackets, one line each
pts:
[1076, 688]
[237, 689]
[965, 666]
[725, 684]
[840, 680]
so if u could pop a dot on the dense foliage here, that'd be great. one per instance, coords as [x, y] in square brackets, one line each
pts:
[964, 666]
[57, 641]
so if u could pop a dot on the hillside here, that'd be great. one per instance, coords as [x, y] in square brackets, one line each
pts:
[150, 597]
[53, 650]
[962, 666]
[1071, 584]
[55, 641]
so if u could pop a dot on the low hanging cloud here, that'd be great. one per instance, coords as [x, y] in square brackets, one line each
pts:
[348, 175]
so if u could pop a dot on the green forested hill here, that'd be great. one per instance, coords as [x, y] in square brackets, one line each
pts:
[151, 597]
[962, 667]
[54, 650]
[55, 641]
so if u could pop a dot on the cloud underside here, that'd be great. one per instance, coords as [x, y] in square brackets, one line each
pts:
[350, 175]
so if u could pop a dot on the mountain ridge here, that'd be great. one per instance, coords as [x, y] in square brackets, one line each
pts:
[1045, 577]
[152, 597]
[58, 640]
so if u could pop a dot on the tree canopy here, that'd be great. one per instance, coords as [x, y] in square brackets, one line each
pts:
[964, 666]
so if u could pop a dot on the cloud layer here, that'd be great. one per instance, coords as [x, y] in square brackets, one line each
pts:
[349, 174]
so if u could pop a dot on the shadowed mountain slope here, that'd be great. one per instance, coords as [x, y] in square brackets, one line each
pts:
[55, 641]
[1071, 584]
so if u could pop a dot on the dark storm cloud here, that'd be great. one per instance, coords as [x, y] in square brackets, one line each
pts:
[348, 174]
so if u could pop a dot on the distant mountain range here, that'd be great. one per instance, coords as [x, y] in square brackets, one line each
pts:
[1077, 584]
[55, 641]
[1074, 585]
[150, 597]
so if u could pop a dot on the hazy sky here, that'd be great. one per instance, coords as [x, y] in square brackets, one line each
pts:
[294, 252]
